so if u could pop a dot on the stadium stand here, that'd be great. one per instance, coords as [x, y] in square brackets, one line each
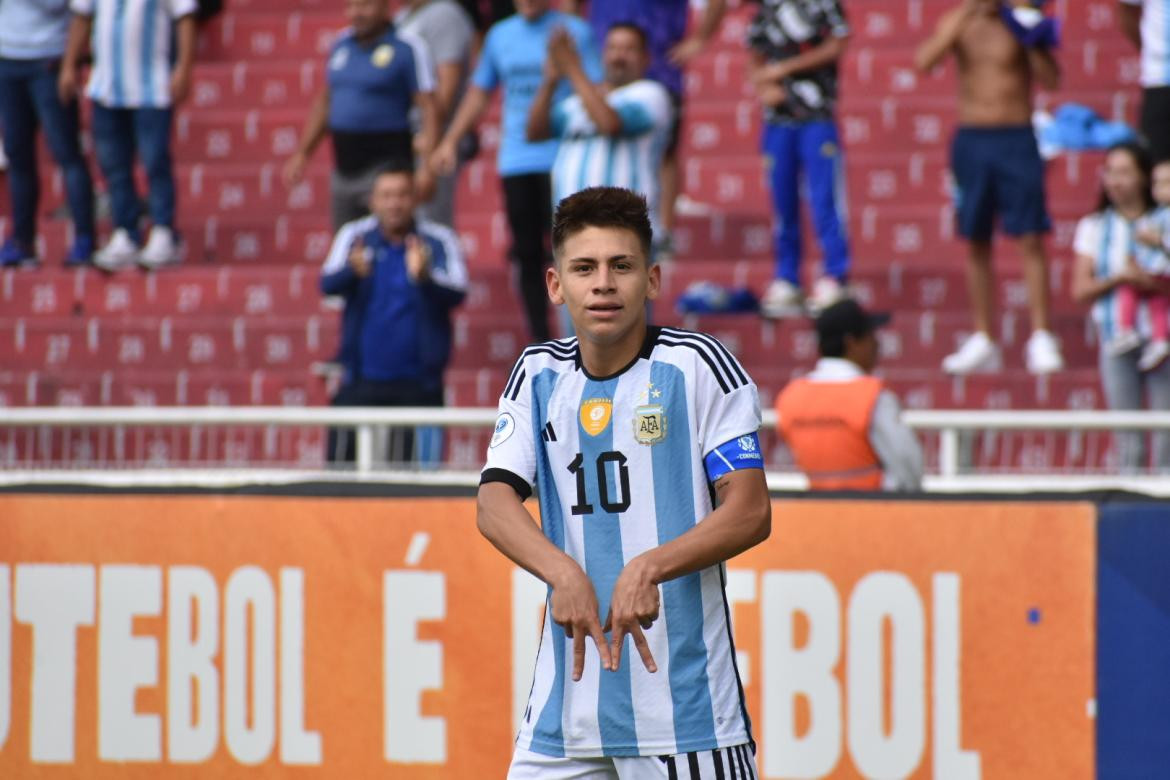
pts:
[240, 321]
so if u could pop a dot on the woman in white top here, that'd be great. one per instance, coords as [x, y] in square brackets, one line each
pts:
[1104, 245]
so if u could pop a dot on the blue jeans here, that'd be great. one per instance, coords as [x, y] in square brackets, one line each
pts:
[120, 132]
[1127, 389]
[28, 99]
[811, 148]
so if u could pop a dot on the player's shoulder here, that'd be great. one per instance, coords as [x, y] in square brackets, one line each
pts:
[559, 355]
[357, 227]
[701, 356]
[437, 232]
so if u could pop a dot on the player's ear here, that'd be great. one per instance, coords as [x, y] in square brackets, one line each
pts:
[552, 280]
[655, 280]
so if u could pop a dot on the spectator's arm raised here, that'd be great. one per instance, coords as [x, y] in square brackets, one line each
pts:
[935, 48]
[563, 53]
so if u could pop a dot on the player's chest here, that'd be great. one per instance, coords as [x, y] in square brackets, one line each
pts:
[629, 413]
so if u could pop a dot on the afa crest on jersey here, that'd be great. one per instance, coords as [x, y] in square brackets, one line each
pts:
[649, 424]
[595, 414]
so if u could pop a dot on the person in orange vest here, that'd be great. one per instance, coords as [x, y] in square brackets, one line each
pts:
[842, 425]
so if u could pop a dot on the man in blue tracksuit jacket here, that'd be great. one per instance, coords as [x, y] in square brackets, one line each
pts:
[400, 279]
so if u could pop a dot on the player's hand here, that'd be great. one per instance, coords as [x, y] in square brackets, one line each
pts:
[1149, 235]
[294, 169]
[685, 50]
[444, 158]
[67, 84]
[424, 184]
[562, 51]
[359, 258]
[418, 259]
[574, 608]
[634, 607]
[773, 72]
[180, 85]
[771, 95]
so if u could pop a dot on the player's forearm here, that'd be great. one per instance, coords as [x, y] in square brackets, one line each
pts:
[503, 521]
[1045, 68]
[607, 120]
[935, 48]
[817, 57]
[712, 18]
[474, 102]
[539, 127]
[1131, 23]
[429, 131]
[315, 125]
[80, 28]
[446, 89]
[185, 43]
[738, 524]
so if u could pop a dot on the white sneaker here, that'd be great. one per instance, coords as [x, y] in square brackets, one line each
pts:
[119, 252]
[782, 299]
[1123, 343]
[160, 248]
[1154, 355]
[978, 354]
[1042, 353]
[825, 293]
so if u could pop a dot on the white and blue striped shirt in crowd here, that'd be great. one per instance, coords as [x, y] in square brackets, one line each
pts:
[131, 46]
[1155, 34]
[631, 159]
[623, 464]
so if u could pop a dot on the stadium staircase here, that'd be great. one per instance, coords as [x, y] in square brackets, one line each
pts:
[240, 321]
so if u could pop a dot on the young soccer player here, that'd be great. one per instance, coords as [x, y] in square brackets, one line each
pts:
[642, 445]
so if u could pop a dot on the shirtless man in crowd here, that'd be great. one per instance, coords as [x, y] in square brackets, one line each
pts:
[997, 170]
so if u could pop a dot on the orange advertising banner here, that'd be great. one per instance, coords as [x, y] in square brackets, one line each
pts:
[242, 636]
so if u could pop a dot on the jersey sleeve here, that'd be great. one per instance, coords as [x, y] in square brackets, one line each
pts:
[646, 110]
[835, 23]
[424, 67]
[728, 406]
[511, 454]
[1085, 241]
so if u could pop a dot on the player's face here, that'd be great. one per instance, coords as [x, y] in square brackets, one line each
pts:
[531, 9]
[603, 277]
[1161, 182]
[1123, 179]
[366, 16]
[392, 201]
[624, 57]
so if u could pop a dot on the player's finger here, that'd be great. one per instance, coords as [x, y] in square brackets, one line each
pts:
[615, 649]
[608, 625]
[578, 655]
[643, 649]
[607, 659]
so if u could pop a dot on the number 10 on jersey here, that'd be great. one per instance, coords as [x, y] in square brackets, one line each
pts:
[601, 471]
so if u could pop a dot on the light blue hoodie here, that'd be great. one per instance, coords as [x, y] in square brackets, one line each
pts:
[33, 29]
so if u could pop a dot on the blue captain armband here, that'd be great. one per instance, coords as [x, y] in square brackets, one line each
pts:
[734, 455]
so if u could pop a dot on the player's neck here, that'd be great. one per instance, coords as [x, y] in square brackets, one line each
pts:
[605, 360]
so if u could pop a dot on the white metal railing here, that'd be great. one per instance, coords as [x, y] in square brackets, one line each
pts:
[949, 425]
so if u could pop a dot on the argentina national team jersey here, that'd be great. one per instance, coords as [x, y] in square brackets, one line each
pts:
[618, 464]
[131, 43]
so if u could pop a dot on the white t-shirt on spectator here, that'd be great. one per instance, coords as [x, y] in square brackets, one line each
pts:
[131, 46]
[1155, 41]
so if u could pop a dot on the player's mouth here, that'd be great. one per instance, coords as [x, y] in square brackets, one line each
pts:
[604, 311]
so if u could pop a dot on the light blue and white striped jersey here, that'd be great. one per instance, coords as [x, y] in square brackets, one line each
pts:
[1155, 259]
[131, 46]
[631, 159]
[1155, 33]
[618, 463]
[1109, 239]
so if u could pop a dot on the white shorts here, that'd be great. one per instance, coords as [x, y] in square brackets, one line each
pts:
[733, 763]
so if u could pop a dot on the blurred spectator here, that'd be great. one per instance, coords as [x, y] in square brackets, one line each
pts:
[373, 77]
[513, 58]
[665, 24]
[33, 37]
[795, 47]
[1147, 24]
[1151, 256]
[1103, 245]
[997, 171]
[611, 133]
[842, 425]
[137, 79]
[400, 279]
[447, 31]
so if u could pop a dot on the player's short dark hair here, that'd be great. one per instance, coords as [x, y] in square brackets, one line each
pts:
[632, 26]
[396, 167]
[604, 207]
